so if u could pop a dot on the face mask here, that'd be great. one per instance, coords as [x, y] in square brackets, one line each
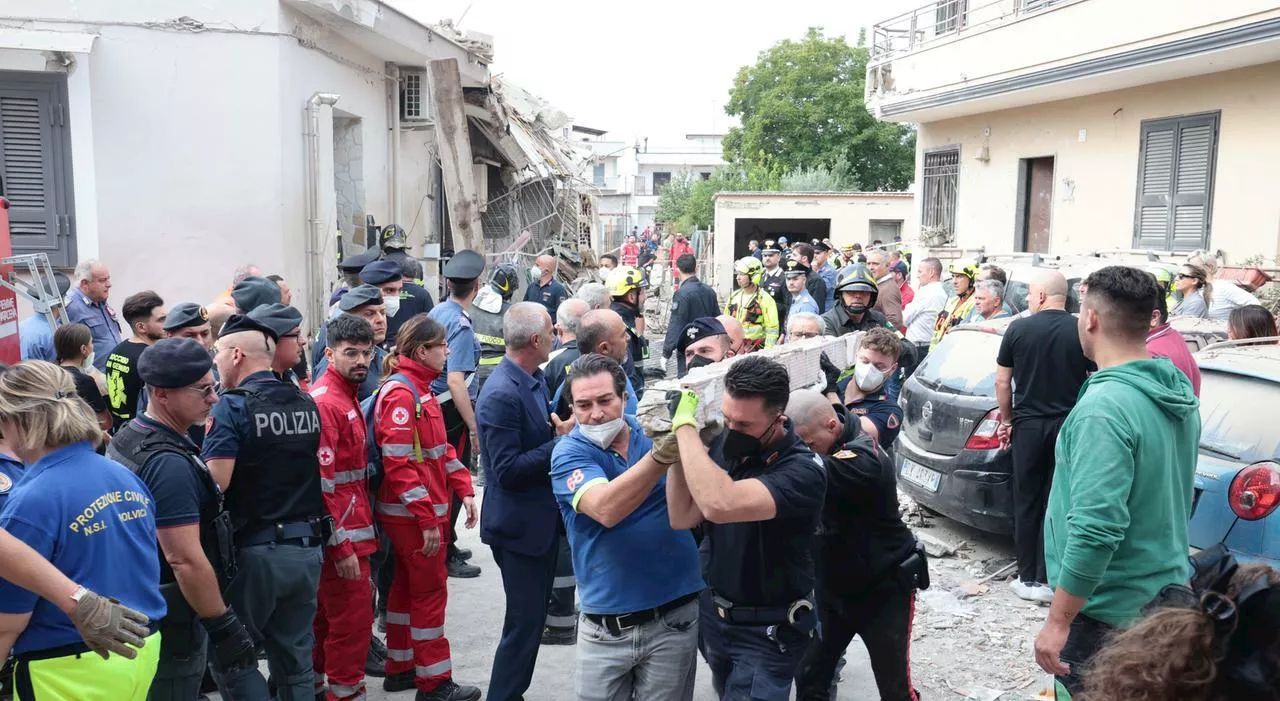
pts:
[699, 361]
[739, 445]
[87, 363]
[856, 308]
[867, 376]
[602, 434]
[391, 304]
[535, 274]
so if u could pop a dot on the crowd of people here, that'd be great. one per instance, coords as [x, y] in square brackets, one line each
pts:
[202, 491]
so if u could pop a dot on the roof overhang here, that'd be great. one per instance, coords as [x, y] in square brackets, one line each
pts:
[393, 36]
[44, 40]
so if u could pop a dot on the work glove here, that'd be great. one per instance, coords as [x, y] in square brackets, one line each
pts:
[231, 644]
[683, 407]
[831, 372]
[666, 451]
[108, 626]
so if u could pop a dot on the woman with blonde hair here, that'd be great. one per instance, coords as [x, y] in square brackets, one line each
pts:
[92, 519]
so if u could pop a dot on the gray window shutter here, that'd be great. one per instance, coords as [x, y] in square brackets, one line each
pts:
[1156, 179]
[1196, 140]
[35, 165]
[1175, 183]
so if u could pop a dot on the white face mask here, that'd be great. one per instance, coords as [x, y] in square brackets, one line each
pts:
[535, 274]
[867, 376]
[87, 363]
[602, 434]
[391, 304]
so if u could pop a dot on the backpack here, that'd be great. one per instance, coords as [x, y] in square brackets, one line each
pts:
[374, 471]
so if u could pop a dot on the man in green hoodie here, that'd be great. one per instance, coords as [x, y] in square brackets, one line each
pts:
[1116, 527]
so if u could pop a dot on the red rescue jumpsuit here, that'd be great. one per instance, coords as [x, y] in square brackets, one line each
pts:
[344, 607]
[421, 473]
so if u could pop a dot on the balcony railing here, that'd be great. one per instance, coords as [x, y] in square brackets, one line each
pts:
[945, 18]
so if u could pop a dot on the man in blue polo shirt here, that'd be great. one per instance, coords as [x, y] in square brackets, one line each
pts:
[638, 578]
[544, 288]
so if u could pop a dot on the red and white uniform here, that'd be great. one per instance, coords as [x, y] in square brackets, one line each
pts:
[418, 484]
[344, 607]
[679, 247]
[630, 254]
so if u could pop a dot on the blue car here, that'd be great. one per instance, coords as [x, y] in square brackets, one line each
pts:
[1237, 484]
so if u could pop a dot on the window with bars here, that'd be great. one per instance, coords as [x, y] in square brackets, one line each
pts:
[1176, 164]
[940, 179]
[35, 165]
[412, 97]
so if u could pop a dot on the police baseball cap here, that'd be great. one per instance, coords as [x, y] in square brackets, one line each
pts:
[359, 297]
[253, 292]
[281, 318]
[174, 362]
[380, 272]
[770, 251]
[243, 322]
[795, 267]
[464, 265]
[821, 247]
[184, 315]
[355, 262]
[698, 329]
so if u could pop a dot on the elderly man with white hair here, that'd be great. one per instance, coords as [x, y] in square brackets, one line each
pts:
[87, 304]
[594, 294]
[988, 302]
[802, 325]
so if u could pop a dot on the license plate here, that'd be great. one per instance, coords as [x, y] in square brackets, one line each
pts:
[921, 475]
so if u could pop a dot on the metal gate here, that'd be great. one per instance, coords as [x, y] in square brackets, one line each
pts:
[941, 176]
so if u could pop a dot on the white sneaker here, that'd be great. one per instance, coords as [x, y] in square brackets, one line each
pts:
[1032, 591]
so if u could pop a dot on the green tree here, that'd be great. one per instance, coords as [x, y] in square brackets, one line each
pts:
[801, 107]
[688, 203]
[673, 200]
[837, 178]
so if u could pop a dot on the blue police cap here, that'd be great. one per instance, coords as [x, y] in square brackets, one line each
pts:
[359, 297]
[253, 292]
[380, 272]
[464, 265]
[355, 262]
[174, 362]
[243, 322]
[281, 318]
[698, 329]
[185, 314]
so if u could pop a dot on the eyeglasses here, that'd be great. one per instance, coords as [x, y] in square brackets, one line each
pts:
[204, 390]
[1183, 276]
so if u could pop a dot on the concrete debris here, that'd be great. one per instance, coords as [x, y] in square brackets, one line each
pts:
[971, 589]
[935, 546]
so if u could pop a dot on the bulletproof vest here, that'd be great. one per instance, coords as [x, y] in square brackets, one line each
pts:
[277, 477]
[488, 330]
[133, 445]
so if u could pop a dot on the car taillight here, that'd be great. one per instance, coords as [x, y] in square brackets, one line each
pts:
[1255, 491]
[984, 436]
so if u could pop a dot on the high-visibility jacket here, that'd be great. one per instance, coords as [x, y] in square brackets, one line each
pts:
[421, 471]
[758, 314]
[951, 316]
[343, 456]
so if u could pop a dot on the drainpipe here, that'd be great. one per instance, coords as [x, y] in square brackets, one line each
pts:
[393, 143]
[315, 227]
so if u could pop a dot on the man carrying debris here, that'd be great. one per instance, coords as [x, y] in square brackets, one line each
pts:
[869, 565]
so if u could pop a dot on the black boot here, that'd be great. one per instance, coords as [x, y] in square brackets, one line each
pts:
[398, 682]
[449, 691]
[460, 569]
[463, 554]
[375, 663]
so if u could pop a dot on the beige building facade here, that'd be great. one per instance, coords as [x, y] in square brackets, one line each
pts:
[843, 217]
[1078, 125]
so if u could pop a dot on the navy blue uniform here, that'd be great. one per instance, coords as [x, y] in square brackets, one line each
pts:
[11, 472]
[880, 410]
[692, 301]
[549, 295]
[414, 300]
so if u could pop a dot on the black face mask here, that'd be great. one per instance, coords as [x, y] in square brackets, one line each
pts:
[698, 362]
[738, 445]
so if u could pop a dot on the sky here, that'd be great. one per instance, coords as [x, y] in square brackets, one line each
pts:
[655, 68]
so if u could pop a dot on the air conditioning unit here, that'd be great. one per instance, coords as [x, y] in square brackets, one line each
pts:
[413, 97]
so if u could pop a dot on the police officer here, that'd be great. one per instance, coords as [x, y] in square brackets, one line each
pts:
[349, 269]
[867, 392]
[869, 564]
[253, 292]
[856, 293]
[694, 299]
[757, 614]
[260, 444]
[286, 322]
[456, 389]
[193, 530]
[487, 310]
[365, 302]
[626, 287]
[191, 321]
[703, 341]
[822, 254]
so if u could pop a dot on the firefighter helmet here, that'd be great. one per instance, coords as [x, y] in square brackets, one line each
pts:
[967, 268]
[856, 278]
[624, 279]
[1164, 277]
[393, 237]
[751, 267]
[505, 280]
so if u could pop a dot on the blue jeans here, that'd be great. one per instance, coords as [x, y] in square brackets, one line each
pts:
[746, 663]
[655, 660]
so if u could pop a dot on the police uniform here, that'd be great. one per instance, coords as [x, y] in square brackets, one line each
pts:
[181, 316]
[282, 319]
[694, 331]
[869, 567]
[775, 283]
[464, 357]
[184, 494]
[881, 409]
[356, 298]
[11, 471]
[757, 612]
[271, 429]
[829, 274]
[253, 292]
[349, 267]
[802, 301]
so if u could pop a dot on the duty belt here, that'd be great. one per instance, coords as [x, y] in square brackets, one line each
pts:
[762, 615]
[616, 623]
[300, 532]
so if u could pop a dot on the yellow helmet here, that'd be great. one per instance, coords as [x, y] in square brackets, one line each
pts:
[624, 279]
[1164, 277]
[966, 267]
[750, 267]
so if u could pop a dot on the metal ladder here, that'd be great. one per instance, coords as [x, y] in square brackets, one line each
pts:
[40, 287]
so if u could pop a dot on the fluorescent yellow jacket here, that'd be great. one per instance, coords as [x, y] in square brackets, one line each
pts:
[758, 314]
[951, 316]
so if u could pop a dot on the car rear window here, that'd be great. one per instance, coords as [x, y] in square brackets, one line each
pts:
[1231, 424]
[963, 363]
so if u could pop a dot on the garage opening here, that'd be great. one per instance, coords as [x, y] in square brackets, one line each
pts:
[760, 229]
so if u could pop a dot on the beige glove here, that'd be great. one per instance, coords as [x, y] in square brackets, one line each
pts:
[666, 451]
[107, 626]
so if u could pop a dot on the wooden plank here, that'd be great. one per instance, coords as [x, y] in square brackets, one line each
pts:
[800, 358]
[453, 144]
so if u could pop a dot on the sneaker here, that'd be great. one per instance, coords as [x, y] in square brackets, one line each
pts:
[449, 691]
[398, 682]
[559, 636]
[1032, 591]
[460, 569]
[375, 663]
[463, 554]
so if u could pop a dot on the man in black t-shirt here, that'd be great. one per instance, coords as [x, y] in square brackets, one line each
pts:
[1041, 356]
[760, 491]
[145, 314]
